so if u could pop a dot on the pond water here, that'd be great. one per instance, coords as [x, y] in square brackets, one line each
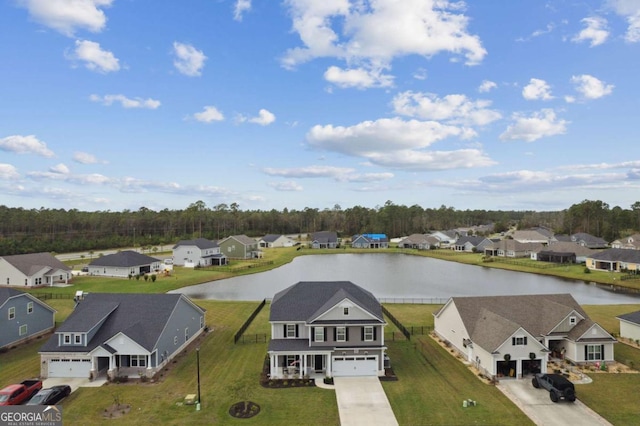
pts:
[397, 276]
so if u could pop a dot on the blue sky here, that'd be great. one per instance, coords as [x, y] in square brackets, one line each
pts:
[270, 104]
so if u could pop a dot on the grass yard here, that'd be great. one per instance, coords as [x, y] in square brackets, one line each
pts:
[613, 396]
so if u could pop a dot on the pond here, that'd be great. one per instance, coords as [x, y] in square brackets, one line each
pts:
[398, 278]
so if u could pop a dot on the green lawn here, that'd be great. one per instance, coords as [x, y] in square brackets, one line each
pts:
[613, 396]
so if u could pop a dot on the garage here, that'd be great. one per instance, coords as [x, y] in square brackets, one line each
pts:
[79, 367]
[345, 366]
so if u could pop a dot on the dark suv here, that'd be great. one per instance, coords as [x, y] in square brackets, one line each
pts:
[559, 387]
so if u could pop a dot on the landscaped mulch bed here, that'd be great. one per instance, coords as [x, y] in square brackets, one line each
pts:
[244, 409]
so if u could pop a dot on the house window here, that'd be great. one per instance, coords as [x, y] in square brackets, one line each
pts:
[291, 331]
[572, 320]
[341, 334]
[77, 339]
[175, 340]
[318, 334]
[345, 311]
[138, 360]
[519, 341]
[186, 334]
[67, 339]
[594, 352]
[12, 313]
[368, 333]
[30, 307]
[8, 281]
[201, 321]
[23, 329]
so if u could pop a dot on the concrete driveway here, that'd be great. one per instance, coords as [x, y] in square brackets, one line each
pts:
[75, 383]
[535, 403]
[362, 401]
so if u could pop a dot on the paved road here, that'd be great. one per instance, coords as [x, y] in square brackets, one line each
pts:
[362, 402]
[535, 403]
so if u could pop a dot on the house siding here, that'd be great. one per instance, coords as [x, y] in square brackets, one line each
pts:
[184, 316]
[629, 330]
[39, 322]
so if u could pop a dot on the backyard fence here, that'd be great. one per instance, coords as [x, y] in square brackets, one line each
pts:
[528, 264]
[397, 323]
[47, 296]
[247, 323]
[252, 338]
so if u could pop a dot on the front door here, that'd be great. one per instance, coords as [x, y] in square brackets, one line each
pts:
[319, 363]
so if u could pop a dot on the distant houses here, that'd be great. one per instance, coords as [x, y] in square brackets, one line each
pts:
[240, 247]
[33, 270]
[276, 240]
[370, 241]
[324, 239]
[199, 252]
[123, 264]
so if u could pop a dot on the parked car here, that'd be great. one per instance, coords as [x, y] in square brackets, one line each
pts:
[50, 396]
[559, 387]
[85, 269]
[19, 393]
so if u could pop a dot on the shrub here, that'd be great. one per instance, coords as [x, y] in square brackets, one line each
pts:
[153, 278]
[587, 270]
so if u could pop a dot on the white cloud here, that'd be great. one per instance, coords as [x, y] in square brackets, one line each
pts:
[189, 60]
[420, 74]
[240, 7]
[25, 145]
[432, 160]
[590, 87]
[369, 32]
[264, 118]
[537, 33]
[595, 32]
[84, 158]
[309, 172]
[60, 175]
[285, 186]
[209, 114]
[66, 16]
[126, 102]
[537, 90]
[94, 57]
[451, 108]
[487, 86]
[360, 78]
[366, 177]
[630, 10]
[540, 124]
[8, 172]
[60, 168]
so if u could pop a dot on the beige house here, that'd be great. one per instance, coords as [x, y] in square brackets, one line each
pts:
[512, 248]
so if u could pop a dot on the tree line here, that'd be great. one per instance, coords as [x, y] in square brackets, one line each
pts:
[60, 231]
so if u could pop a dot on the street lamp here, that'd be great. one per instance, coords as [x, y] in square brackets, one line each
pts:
[198, 370]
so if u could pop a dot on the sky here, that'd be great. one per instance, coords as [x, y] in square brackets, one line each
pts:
[111, 105]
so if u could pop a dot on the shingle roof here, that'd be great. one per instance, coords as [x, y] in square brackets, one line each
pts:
[619, 255]
[124, 259]
[633, 317]
[588, 239]
[7, 293]
[473, 240]
[31, 263]
[142, 317]
[270, 238]
[568, 247]
[243, 239]
[201, 243]
[325, 237]
[307, 299]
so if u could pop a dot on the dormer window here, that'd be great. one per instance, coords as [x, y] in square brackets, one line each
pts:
[345, 311]
[573, 320]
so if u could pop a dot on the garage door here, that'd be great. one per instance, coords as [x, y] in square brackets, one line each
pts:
[69, 368]
[344, 366]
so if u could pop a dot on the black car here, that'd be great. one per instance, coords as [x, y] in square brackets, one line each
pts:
[50, 396]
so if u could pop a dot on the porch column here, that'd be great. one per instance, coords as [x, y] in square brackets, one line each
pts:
[149, 370]
[303, 365]
[273, 364]
[328, 364]
[94, 367]
[110, 372]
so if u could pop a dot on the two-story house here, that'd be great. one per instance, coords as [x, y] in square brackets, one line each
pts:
[331, 328]
[23, 317]
[198, 252]
[240, 247]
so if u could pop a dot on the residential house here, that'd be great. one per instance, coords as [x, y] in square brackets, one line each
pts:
[23, 317]
[198, 252]
[118, 335]
[331, 328]
[276, 240]
[513, 336]
[632, 242]
[419, 241]
[370, 241]
[324, 239]
[615, 260]
[33, 270]
[563, 252]
[589, 241]
[534, 235]
[469, 243]
[511, 248]
[126, 263]
[446, 238]
[240, 247]
[630, 325]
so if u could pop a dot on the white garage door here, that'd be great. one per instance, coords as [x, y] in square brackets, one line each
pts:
[69, 368]
[344, 366]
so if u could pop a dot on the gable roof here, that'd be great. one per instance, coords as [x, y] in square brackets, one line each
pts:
[633, 317]
[142, 317]
[513, 245]
[7, 293]
[242, 239]
[588, 240]
[124, 259]
[568, 247]
[618, 254]
[31, 263]
[270, 238]
[306, 300]
[325, 237]
[372, 238]
[473, 240]
[201, 243]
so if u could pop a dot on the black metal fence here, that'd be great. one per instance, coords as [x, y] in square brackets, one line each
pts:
[47, 296]
[247, 323]
[253, 338]
[397, 323]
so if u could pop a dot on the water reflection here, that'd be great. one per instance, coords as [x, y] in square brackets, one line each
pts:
[393, 276]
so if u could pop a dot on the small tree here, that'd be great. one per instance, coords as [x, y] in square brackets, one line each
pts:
[243, 390]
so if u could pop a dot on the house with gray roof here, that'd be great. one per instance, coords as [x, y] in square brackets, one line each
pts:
[615, 260]
[513, 336]
[23, 317]
[632, 242]
[563, 252]
[33, 270]
[324, 239]
[126, 263]
[333, 329]
[240, 247]
[534, 235]
[589, 241]
[511, 248]
[276, 240]
[419, 242]
[116, 334]
[370, 241]
[198, 252]
[446, 238]
[470, 244]
[630, 325]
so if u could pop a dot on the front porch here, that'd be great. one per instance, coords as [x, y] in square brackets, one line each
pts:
[292, 365]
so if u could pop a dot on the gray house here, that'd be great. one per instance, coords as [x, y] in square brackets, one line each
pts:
[419, 241]
[370, 241]
[615, 260]
[121, 335]
[240, 247]
[198, 252]
[331, 328]
[276, 240]
[123, 264]
[23, 317]
[324, 239]
[33, 270]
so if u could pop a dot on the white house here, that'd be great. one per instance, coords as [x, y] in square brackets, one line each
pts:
[630, 325]
[33, 270]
